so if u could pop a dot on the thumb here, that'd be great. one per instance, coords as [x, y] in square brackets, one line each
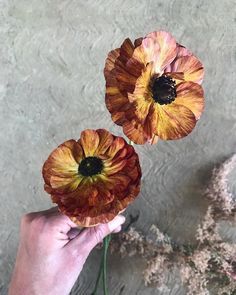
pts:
[92, 236]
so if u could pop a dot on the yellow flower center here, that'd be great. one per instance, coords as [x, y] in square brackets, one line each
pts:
[90, 166]
[163, 89]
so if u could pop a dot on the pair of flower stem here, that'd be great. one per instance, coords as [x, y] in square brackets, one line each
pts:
[103, 265]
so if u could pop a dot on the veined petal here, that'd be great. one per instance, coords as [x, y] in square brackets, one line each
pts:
[116, 102]
[110, 61]
[116, 145]
[78, 152]
[182, 51]
[127, 49]
[89, 140]
[190, 66]
[174, 121]
[167, 45]
[191, 96]
[142, 96]
[63, 184]
[112, 168]
[148, 51]
[61, 162]
[134, 130]
[105, 140]
[117, 182]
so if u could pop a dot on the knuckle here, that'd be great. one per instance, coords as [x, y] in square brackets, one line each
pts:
[26, 220]
[37, 223]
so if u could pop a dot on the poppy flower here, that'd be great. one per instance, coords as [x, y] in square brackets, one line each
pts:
[93, 179]
[153, 88]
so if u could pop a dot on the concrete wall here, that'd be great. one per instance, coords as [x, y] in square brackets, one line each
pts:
[52, 87]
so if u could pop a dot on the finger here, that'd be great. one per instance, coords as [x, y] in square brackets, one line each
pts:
[57, 221]
[117, 230]
[92, 236]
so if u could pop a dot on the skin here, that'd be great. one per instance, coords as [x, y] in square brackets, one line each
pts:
[52, 252]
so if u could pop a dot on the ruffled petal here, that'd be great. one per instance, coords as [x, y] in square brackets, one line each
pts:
[110, 61]
[135, 132]
[112, 167]
[78, 152]
[174, 121]
[190, 66]
[191, 96]
[144, 131]
[105, 141]
[89, 140]
[60, 163]
[64, 185]
[167, 45]
[182, 51]
[116, 145]
[116, 102]
[158, 47]
[142, 96]
[127, 69]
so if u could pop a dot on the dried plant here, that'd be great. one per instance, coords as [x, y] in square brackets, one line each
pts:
[218, 193]
[210, 264]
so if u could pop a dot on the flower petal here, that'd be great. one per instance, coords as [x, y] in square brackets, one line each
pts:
[144, 131]
[89, 141]
[112, 168]
[135, 132]
[159, 47]
[190, 66]
[174, 121]
[116, 102]
[148, 51]
[142, 96]
[127, 69]
[167, 45]
[126, 49]
[191, 96]
[64, 184]
[61, 162]
[116, 145]
[105, 140]
[182, 51]
[110, 61]
[78, 152]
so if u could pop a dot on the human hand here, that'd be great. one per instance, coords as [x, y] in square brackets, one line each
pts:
[52, 252]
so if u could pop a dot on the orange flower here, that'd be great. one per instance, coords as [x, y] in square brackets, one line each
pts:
[153, 88]
[93, 179]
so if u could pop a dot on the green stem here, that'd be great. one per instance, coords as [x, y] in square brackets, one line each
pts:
[103, 267]
[105, 248]
[98, 278]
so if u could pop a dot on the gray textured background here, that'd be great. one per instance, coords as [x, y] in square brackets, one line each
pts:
[52, 87]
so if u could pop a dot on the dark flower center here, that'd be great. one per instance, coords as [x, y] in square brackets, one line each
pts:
[90, 166]
[164, 90]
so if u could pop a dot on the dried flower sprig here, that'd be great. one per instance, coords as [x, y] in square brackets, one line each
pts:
[218, 192]
[208, 264]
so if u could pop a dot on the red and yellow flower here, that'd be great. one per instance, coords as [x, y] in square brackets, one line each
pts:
[93, 179]
[153, 88]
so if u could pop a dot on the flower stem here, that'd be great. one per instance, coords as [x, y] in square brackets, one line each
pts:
[105, 248]
[103, 267]
[98, 278]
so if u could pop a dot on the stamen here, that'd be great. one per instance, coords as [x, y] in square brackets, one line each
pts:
[164, 90]
[90, 166]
